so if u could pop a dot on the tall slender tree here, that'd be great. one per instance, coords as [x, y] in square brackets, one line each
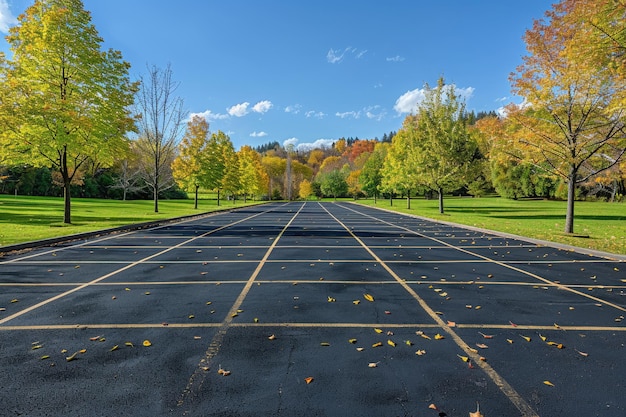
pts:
[65, 100]
[188, 169]
[160, 128]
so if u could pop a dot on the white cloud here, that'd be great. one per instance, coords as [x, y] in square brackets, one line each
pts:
[262, 106]
[6, 17]
[209, 115]
[258, 134]
[353, 114]
[409, 101]
[316, 114]
[239, 110]
[375, 113]
[318, 144]
[501, 99]
[396, 58]
[336, 55]
[295, 109]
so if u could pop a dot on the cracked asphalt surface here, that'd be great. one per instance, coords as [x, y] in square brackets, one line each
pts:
[263, 311]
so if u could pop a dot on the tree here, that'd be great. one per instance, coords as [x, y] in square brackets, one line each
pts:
[160, 126]
[443, 148]
[252, 178]
[306, 190]
[65, 101]
[188, 169]
[334, 184]
[371, 176]
[230, 181]
[573, 114]
[397, 174]
[274, 168]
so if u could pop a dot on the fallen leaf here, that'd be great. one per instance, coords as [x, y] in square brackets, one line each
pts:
[331, 300]
[463, 358]
[45, 357]
[378, 330]
[425, 336]
[543, 338]
[71, 357]
[15, 300]
[356, 302]
[451, 323]
[439, 337]
[372, 364]
[223, 372]
[408, 343]
[476, 413]
[512, 324]
[129, 344]
[486, 336]
[510, 341]
[582, 353]
[191, 316]
[360, 349]
[324, 344]
[387, 312]
[35, 347]
[272, 337]
[368, 297]
[147, 293]
[353, 341]
[433, 407]
[93, 339]
[420, 352]
[308, 379]
[82, 351]
[482, 345]
[114, 348]
[548, 383]
[377, 344]
[526, 338]
[147, 343]
[391, 343]
[197, 337]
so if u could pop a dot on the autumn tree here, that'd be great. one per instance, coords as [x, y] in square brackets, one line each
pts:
[252, 177]
[160, 127]
[275, 167]
[230, 180]
[188, 169]
[572, 117]
[397, 175]
[306, 190]
[371, 175]
[334, 184]
[65, 101]
[442, 148]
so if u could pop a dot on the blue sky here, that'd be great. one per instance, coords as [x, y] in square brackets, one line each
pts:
[314, 71]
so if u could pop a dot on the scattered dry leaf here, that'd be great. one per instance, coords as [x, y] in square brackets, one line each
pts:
[114, 348]
[420, 352]
[272, 337]
[476, 413]
[353, 341]
[451, 323]
[548, 383]
[463, 358]
[482, 345]
[331, 299]
[356, 302]
[147, 343]
[582, 353]
[439, 337]
[378, 330]
[486, 336]
[368, 297]
[71, 357]
[377, 344]
[526, 338]
[391, 343]
[324, 344]
[129, 344]
[308, 379]
[372, 364]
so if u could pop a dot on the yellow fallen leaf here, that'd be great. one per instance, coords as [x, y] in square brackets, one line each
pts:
[543, 338]
[425, 336]
[272, 337]
[377, 344]
[15, 300]
[368, 297]
[510, 341]
[93, 339]
[45, 357]
[433, 407]
[356, 302]
[548, 383]
[408, 343]
[324, 344]
[71, 357]
[372, 364]
[256, 320]
[439, 337]
[191, 316]
[476, 413]
[308, 379]
[223, 372]
[35, 347]
[526, 338]
[463, 358]
[82, 351]
[331, 300]
[420, 352]
[129, 344]
[114, 348]
[360, 349]
[391, 343]
[378, 330]
[353, 341]
[147, 343]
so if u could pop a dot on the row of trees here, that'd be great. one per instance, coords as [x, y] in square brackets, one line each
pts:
[70, 108]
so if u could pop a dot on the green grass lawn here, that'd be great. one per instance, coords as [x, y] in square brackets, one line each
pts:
[604, 223]
[24, 219]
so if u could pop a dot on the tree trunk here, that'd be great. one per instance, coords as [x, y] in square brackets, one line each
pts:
[440, 191]
[195, 202]
[156, 199]
[67, 197]
[571, 196]
[374, 198]
[390, 200]
[218, 197]
[408, 200]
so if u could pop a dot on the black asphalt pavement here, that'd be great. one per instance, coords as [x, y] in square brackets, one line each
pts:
[311, 309]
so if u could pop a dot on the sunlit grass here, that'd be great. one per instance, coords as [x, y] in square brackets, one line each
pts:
[603, 224]
[24, 219]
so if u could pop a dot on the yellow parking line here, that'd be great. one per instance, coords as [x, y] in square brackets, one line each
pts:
[517, 400]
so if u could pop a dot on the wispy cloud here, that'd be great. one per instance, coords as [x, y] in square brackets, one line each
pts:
[306, 146]
[209, 115]
[6, 17]
[295, 109]
[375, 113]
[410, 101]
[396, 58]
[348, 114]
[258, 134]
[262, 106]
[238, 110]
[335, 56]
[316, 114]
[501, 99]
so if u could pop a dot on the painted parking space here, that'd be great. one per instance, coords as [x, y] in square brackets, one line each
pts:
[315, 309]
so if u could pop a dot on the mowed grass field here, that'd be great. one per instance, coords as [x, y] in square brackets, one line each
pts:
[25, 219]
[604, 224]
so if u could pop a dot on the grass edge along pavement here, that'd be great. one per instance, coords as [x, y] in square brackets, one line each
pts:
[50, 231]
[539, 221]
